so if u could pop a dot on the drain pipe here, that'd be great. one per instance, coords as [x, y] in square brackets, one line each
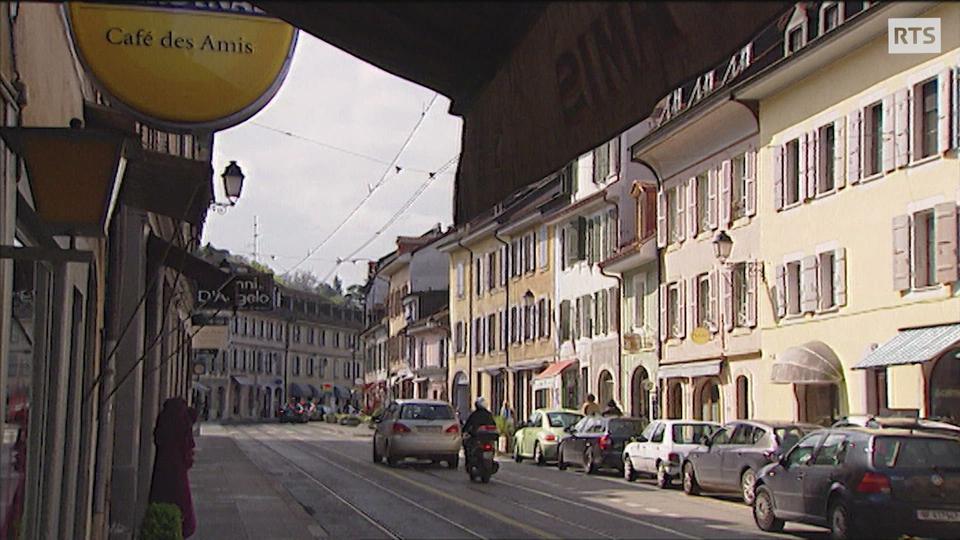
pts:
[659, 344]
[506, 315]
[619, 279]
[469, 342]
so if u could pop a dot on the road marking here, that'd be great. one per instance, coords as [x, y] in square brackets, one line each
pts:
[652, 510]
[303, 471]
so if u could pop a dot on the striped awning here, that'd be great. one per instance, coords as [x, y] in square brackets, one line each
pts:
[913, 346]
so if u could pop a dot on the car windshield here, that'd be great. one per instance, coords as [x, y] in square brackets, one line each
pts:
[421, 411]
[625, 428]
[562, 419]
[691, 433]
[789, 436]
[908, 452]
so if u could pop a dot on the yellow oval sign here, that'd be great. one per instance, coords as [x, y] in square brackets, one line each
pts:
[184, 65]
[700, 335]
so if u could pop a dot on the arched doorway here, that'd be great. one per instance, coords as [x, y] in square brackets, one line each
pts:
[461, 395]
[675, 401]
[944, 393]
[605, 388]
[818, 403]
[277, 400]
[221, 408]
[708, 401]
[640, 394]
[743, 398]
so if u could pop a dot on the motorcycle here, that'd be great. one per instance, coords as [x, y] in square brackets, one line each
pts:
[480, 464]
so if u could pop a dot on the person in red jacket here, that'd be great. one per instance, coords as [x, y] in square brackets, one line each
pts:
[173, 437]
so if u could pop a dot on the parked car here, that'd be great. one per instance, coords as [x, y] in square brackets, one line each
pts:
[922, 424]
[597, 442]
[420, 428]
[865, 482]
[662, 447]
[293, 412]
[539, 437]
[729, 460]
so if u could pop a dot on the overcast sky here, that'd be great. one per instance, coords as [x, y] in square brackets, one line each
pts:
[300, 191]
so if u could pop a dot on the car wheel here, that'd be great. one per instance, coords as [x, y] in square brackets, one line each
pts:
[538, 455]
[377, 458]
[841, 526]
[561, 464]
[763, 512]
[391, 459]
[629, 473]
[690, 485]
[453, 462]
[516, 452]
[747, 480]
[589, 466]
[663, 479]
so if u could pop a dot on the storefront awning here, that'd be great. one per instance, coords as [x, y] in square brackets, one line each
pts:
[555, 369]
[243, 381]
[207, 276]
[421, 379]
[315, 391]
[297, 391]
[813, 362]
[527, 365]
[913, 346]
[168, 185]
[491, 369]
[705, 368]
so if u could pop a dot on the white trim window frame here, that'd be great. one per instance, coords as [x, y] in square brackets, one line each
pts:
[824, 16]
[793, 292]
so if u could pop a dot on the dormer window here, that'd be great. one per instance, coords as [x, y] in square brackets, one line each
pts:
[831, 15]
[794, 40]
[796, 34]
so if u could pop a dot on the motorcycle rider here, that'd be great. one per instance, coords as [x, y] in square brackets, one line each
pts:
[481, 416]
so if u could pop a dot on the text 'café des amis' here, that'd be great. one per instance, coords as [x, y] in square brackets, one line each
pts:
[108, 121]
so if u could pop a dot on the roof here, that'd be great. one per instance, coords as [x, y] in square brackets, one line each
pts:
[517, 71]
[913, 346]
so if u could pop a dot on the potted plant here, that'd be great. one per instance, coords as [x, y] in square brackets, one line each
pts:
[162, 522]
[505, 428]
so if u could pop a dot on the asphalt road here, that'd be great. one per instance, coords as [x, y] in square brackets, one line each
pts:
[329, 471]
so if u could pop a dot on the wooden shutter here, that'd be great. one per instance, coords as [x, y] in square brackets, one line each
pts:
[752, 270]
[943, 110]
[945, 230]
[721, 206]
[581, 238]
[692, 206]
[808, 284]
[813, 163]
[714, 179]
[778, 155]
[804, 165]
[664, 330]
[901, 105]
[692, 296]
[781, 290]
[726, 297]
[955, 117]
[853, 146]
[681, 203]
[548, 317]
[750, 182]
[901, 253]
[714, 300]
[545, 246]
[888, 133]
[681, 295]
[613, 297]
[839, 158]
[840, 277]
[661, 218]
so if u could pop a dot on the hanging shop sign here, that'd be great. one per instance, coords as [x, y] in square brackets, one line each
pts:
[243, 292]
[183, 66]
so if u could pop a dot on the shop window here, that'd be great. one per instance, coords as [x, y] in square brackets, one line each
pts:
[944, 383]
[709, 401]
[818, 403]
[675, 401]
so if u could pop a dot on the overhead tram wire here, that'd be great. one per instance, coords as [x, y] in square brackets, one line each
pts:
[373, 188]
[403, 208]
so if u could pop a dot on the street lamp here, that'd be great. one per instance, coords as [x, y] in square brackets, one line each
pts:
[232, 186]
[722, 246]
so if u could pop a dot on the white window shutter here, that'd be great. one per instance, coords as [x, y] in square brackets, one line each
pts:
[661, 218]
[545, 246]
[840, 276]
[693, 293]
[839, 146]
[664, 330]
[752, 270]
[681, 286]
[714, 177]
[889, 154]
[781, 290]
[853, 147]
[726, 284]
[901, 105]
[692, 200]
[723, 202]
[681, 211]
[750, 181]
[778, 152]
[813, 165]
[901, 253]
[943, 110]
[804, 164]
[945, 230]
[714, 300]
[955, 117]
[808, 284]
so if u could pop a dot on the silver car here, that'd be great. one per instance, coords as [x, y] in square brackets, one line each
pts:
[417, 428]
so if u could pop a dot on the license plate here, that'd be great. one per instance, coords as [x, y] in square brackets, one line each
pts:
[488, 455]
[428, 428]
[938, 515]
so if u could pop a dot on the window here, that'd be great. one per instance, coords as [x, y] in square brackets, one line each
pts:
[743, 398]
[803, 452]
[704, 317]
[742, 434]
[924, 249]
[826, 269]
[795, 40]
[830, 17]
[639, 301]
[791, 175]
[492, 270]
[793, 288]
[827, 154]
[310, 366]
[703, 203]
[673, 214]
[873, 131]
[491, 333]
[336, 339]
[606, 161]
[460, 280]
[478, 275]
[738, 187]
[928, 119]
[831, 453]
[296, 365]
[740, 293]
[565, 317]
[674, 315]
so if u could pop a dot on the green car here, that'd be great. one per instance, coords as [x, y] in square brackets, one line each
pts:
[539, 437]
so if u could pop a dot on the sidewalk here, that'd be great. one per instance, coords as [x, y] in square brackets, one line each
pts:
[233, 499]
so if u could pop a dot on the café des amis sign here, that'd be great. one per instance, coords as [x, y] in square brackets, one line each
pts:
[183, 66]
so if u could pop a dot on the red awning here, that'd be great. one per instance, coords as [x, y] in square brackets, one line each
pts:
[555, 369]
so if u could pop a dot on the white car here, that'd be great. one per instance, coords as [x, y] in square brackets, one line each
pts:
[662, 447]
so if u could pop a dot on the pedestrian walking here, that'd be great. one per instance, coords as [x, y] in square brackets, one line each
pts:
[590, 407]
[612, 409]
[173, 437]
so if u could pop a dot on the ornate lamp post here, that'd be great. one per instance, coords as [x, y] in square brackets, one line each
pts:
[232, 186]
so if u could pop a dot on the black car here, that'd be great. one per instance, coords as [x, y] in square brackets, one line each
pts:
[597, 442]
[863, 482]
[730, 459]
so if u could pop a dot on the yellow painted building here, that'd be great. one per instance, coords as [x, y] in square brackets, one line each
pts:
[857, 203]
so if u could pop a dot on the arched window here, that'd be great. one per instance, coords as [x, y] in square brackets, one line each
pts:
[605, 388]
[640, 385]
[675, 401]
[945, 386]
[709, 401]
[743, 398]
